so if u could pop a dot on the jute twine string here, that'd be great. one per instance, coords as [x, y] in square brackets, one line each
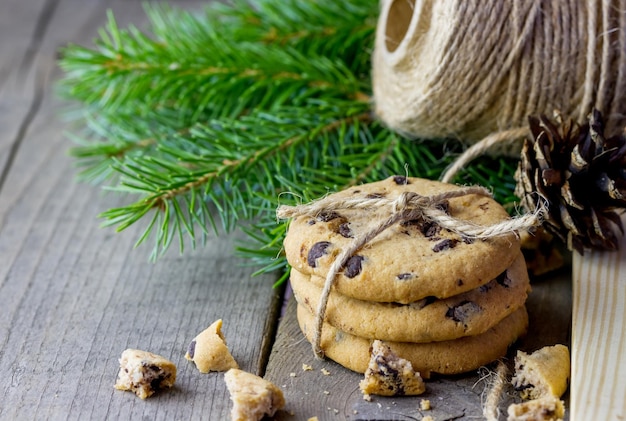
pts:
[472, 68]
[479, 148]
[497, 381]
[406, 207]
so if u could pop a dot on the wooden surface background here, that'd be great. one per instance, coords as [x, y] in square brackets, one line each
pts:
[73, 296]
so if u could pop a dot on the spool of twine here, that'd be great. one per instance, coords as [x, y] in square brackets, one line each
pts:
[472, 68]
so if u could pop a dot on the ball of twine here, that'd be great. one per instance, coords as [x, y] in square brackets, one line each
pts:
[472, 68]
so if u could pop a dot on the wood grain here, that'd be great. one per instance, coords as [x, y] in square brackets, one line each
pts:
[598, 335]
[18, 30]
[74, 296]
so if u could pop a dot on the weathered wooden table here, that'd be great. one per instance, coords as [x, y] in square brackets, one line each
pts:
[74, 295]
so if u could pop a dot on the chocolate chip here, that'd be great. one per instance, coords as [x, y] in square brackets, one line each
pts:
[154, 375]
[345, 231]
[484, 288]
[460, 282]
[467, 240]
[401, 180]
[404, 276]
[446, 244]
[391, 375]
[327, 216]
[317, 251]
[191, 349]
[155, 382]
[462, 311]
[375, 195]
[523, 387]
[152, 367]
[503, 279]
[430, 229]
[353, 266]
[310, 222]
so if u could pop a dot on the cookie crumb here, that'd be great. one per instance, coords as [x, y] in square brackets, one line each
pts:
[545, 372]
[428, 418]
[306, 367]
[144, 373]
[292, 374]
[425, 405]
[253, 397]
[313, 419]
[547, 408]
[326, 392]
[389, 375]
[367, 397]
[209, 352]
[325, 372]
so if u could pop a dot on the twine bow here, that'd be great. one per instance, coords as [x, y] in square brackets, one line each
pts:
[406, 207]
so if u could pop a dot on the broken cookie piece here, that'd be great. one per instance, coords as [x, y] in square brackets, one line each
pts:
[389, 375]
[144, 373]
[545, 372]
[252, 396]
[209, 352]
[547, 408]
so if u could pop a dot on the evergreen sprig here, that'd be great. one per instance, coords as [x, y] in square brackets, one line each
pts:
[223, 112]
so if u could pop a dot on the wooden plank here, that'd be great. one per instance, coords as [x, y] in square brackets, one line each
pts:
[74, 296]
[18, 30]
[598, 335]
[19, 21]
[337, 396]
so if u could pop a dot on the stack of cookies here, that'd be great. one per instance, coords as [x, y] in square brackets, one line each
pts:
[447, 303]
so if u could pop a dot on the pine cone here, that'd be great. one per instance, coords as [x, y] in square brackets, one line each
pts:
[582, 174]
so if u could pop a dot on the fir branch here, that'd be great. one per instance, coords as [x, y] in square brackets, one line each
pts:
[208, 64]
[136, 90]
[225, 156]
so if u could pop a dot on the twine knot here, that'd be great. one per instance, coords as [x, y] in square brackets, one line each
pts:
[407, 206]
[409, 201]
